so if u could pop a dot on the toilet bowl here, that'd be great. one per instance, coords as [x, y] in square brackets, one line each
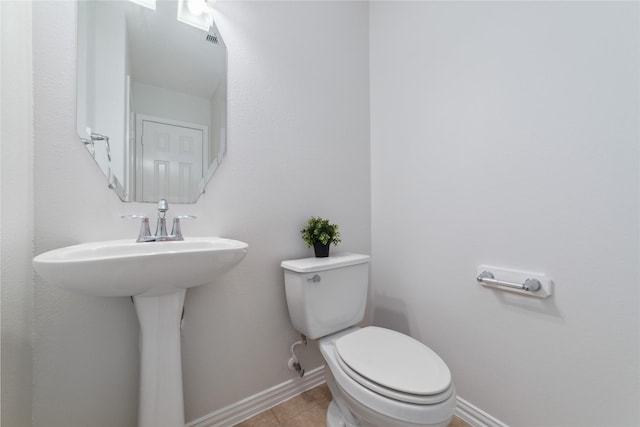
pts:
[374, 404]
[377, 377]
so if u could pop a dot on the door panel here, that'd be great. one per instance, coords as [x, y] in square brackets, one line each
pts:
[171, 162]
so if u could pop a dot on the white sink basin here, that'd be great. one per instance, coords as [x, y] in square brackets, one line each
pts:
[126, 268]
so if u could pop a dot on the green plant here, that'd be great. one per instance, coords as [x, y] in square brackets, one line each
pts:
[319, 230]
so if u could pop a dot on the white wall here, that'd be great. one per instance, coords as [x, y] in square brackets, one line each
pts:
[298, 146]
[507, 133]
[16, 216]
[86, 69]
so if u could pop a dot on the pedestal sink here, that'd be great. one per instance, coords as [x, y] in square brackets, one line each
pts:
[156, 275]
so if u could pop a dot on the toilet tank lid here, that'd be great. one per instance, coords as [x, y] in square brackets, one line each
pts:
[311, 265]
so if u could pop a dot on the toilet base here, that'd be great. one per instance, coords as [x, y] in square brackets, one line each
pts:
[334, 417]
[338, 414]
[341, 411]
[370, 418]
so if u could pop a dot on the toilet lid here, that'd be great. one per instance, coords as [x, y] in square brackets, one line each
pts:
[394, 361]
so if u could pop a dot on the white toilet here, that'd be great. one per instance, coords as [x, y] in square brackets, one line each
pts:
[378, 377]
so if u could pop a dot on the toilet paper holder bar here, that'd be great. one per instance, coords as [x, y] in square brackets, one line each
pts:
[529, 285]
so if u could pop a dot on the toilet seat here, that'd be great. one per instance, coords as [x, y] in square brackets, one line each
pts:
[394, 365]
[394, 394]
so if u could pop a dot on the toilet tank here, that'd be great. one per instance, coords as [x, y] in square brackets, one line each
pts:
[326, 295]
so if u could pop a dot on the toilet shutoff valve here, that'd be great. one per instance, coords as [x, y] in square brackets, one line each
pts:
[294, 364]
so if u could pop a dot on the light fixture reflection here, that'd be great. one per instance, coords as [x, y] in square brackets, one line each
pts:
[195, 13]
[197, 7]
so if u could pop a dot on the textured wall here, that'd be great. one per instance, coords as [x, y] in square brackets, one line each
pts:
[507, 133]
[16, 216]
[298, 146]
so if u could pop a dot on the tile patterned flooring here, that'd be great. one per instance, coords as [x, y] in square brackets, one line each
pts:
[308, 409]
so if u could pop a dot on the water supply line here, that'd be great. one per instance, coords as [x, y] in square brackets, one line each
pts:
[294, 364]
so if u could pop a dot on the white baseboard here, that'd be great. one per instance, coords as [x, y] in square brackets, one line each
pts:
[253, 405]
[475, 416]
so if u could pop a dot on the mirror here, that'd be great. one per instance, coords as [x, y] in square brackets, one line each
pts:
[151, 98]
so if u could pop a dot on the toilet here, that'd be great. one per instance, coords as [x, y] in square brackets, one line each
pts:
[377, 377]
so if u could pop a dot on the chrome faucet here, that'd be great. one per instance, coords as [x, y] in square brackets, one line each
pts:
[161, 226]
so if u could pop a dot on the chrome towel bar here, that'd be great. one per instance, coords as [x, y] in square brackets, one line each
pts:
[529, 285]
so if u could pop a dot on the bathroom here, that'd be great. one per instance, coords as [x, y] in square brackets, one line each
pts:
[439, 135]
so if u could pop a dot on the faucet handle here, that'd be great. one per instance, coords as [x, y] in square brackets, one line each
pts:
[145, 232]
[176, 231]
[187, 217]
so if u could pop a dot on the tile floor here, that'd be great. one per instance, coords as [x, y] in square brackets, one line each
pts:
[308, 409]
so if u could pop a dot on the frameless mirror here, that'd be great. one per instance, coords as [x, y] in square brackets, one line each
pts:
[151, 98]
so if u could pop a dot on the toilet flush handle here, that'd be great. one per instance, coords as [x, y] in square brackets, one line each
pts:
[315, 279]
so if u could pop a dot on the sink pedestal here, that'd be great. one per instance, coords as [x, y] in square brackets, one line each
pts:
[161, 400]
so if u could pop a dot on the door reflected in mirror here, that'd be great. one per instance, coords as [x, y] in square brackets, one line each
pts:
[151, 99]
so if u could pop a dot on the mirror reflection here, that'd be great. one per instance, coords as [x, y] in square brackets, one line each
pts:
[152, 97]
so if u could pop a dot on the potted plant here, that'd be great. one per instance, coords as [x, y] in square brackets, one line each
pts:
[320, 234]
